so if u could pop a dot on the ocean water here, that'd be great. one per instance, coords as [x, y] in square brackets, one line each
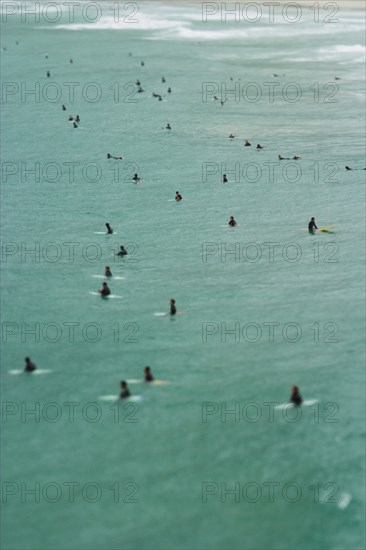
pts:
[204, 462]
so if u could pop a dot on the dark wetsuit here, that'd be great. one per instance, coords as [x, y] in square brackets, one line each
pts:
[296, 399]
[224, 179]
[30, 367]
[312, 226]
[125, 393]
[108, 274]
[122, 252]
[178, 197]
[105, 292]
[109, 231]
[149, 377]
[173, 309]
[232, 223]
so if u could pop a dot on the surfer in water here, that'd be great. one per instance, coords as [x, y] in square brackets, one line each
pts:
[109, 156]
[29, 366]
[136, 179]
[107, 272]
[178, 196]
[224, 179]
[105, 290]
[168, 127]
[312, 226]
[125, 392]
[295, 398]
[232, 222]
[259, 146]
[247, 144]
[173, 309]
[109, 229]
[122, 251]
[147, 374]
[348, 168]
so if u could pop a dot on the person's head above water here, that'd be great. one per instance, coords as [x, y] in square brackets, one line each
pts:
[123, 384]
[294, 389]
[107, 268]
[104, 285]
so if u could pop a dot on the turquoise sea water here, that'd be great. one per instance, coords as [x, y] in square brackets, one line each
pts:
[170, 465]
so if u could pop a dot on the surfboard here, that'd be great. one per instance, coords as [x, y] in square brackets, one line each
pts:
[305, 403]
[163, 314]
[230, 226]
[153, 383]
[15, 372]
[133, 398]
[326, 229]
[112, 296]
[104, 233]
[322, 229]
[114, 278]
[344, 500]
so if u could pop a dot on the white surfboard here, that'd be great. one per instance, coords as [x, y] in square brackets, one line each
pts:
[111, 296]
[153, 383]
[16, 372]
[114, 278]
[133, 398]
[306, 403]
[104, 233]
[344, 501]
[162, 314]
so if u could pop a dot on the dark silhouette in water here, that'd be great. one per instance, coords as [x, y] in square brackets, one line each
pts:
[29, 366]
[295, 398]
[148, 375]
[173, 309]
[125, 392]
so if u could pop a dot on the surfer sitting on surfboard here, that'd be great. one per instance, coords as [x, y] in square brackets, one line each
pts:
[125, 392]
[136, 179]
[232, 222]
[105, 290]
[29, 366]
[109, 229]
[173, 309]
[295, 398]
[148, 376]
[122, 251]
[107, 271]
[224, 179]
[312, 226]
[178, 196]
